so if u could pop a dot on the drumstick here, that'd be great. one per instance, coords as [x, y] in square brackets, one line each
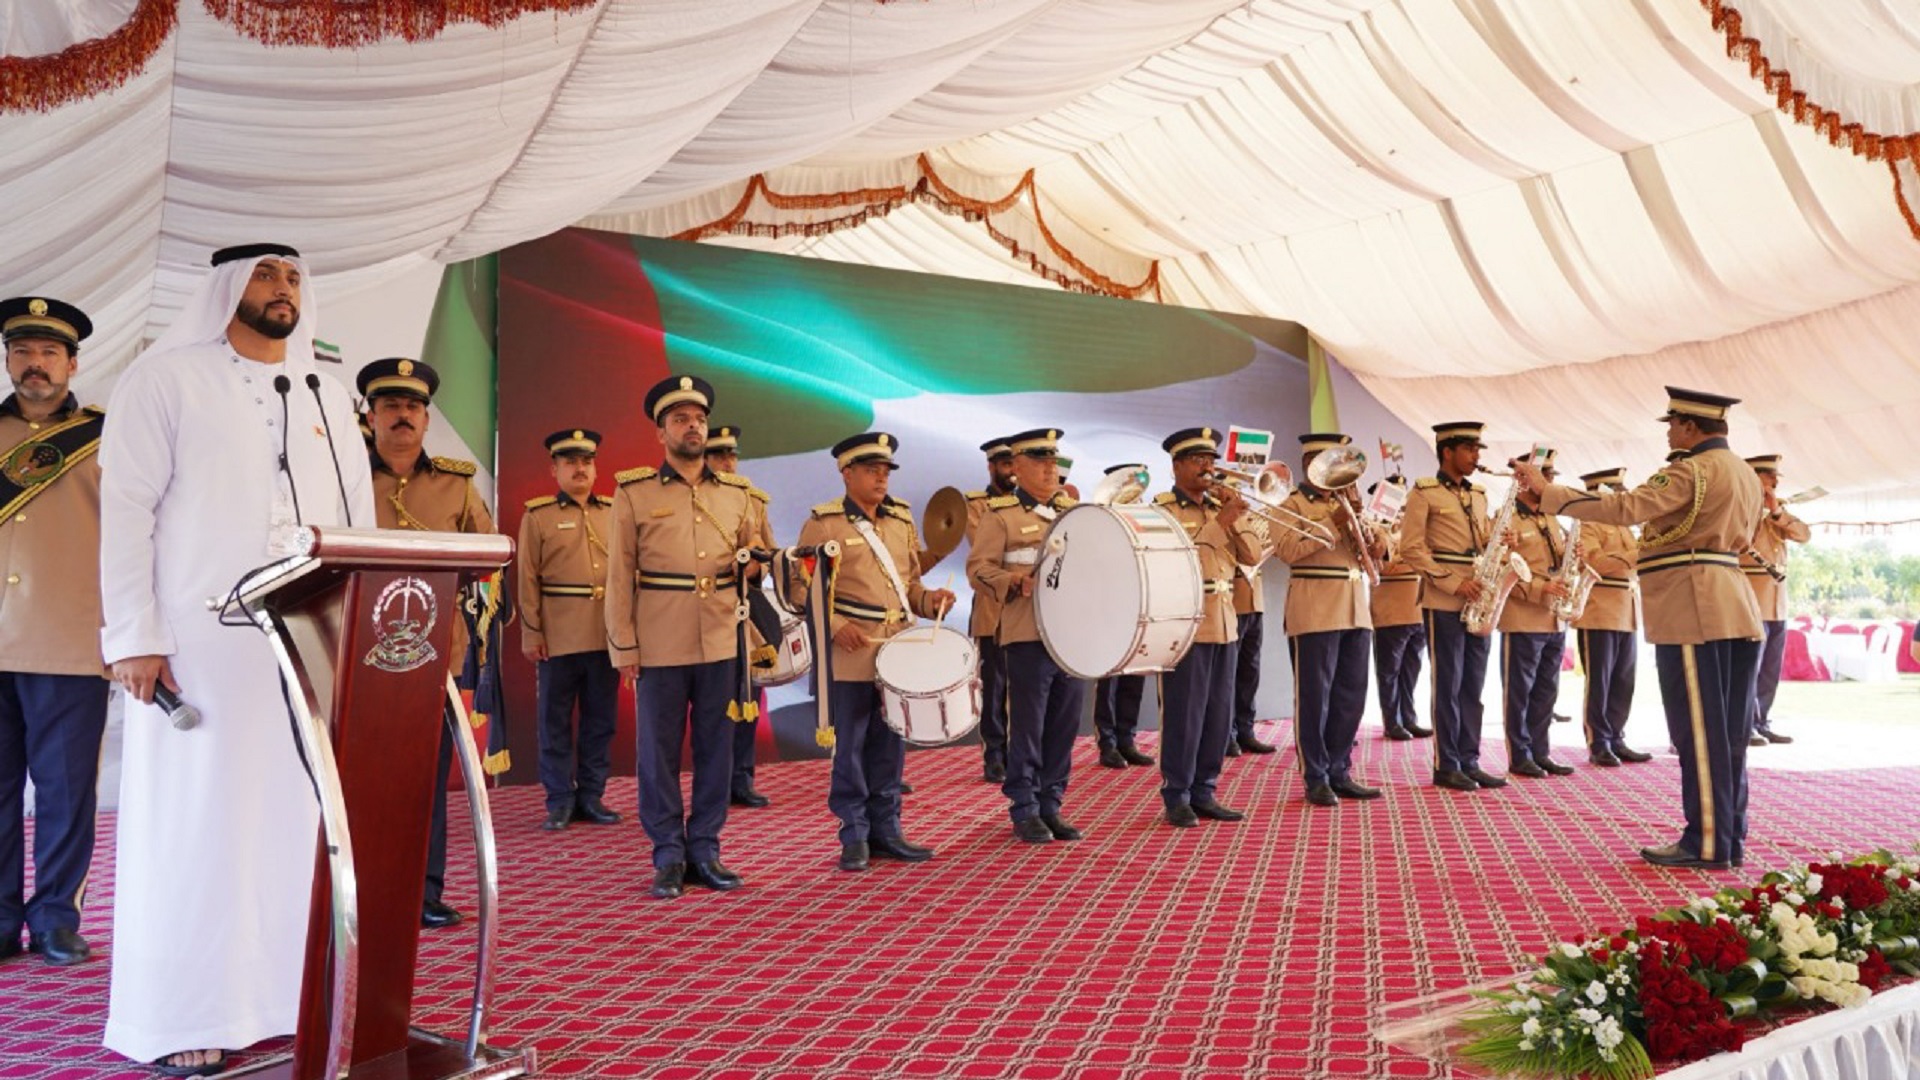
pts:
[933, 634]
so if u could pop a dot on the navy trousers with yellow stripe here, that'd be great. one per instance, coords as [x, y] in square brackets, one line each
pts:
[50, 729]
[1708, 692]
[1329, 694]
[1459, 674]
[1611, 659]
[1773, 653]
[1529, 682]
[1396, 671]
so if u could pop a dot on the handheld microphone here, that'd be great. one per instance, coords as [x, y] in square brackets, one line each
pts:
[326, 425]
[282, 384]
[183, 715]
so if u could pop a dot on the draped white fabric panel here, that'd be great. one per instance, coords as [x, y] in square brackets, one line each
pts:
[1530, 211]
[1877, 1041]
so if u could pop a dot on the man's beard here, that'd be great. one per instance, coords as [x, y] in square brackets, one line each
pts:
[689, 450]
[256, 319]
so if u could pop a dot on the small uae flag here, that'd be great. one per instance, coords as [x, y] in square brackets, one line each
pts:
[1245, 446]
[326, 352]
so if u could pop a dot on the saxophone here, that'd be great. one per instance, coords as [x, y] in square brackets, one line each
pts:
[1576, 576]
[1498, 569]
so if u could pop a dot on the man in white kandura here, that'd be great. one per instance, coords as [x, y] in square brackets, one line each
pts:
[221, 437]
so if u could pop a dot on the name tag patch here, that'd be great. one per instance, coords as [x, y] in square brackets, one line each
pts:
[660, 512]
[563, 525]
[1024, 529]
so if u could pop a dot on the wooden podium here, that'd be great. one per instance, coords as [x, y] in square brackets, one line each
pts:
[361, 623]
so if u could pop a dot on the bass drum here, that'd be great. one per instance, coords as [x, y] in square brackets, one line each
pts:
[1117, 591]
[929, 682]
[793, 653]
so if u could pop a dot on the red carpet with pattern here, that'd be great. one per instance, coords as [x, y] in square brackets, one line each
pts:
[1261, 948]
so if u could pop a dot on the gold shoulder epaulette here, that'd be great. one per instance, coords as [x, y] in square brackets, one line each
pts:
[1001, 502]
[94, 410]
[733, 478]
[628, 476]
[544, 500]
[828, 509]
[758, 494]
[900, 510]
[455, 466]
[1065, 501]
[971, 495]
[601, 500]
[1427, 482]
[1165, 498]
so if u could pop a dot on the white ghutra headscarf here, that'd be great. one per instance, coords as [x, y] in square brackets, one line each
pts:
[207, 313]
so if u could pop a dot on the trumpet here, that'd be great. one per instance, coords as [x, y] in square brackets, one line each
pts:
[1122, 487]
[1263, 492]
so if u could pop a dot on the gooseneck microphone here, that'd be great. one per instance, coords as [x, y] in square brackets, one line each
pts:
[326, 425]
[183, 715]
[281, 385]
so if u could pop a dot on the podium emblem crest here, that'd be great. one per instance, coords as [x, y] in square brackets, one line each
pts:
[403, 617]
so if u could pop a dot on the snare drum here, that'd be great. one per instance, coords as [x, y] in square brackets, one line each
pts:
[793, 657]
[1117, 591]
[929, 680]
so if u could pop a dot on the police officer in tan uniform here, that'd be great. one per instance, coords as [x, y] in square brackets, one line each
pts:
[876, 593]
[1399, 637]
[1444, 528]
[53, 693]
[1776, 528]
[1608, 632]
[563, 630]
[984, 620]
[723, 456]
[1196, 697]
[1329, 624]
[672, 599]
[1532, 640]
[1697, 513]
[414, 491]
[1250, 628]
[1044, 701]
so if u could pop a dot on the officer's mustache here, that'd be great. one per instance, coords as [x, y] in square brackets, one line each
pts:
[398, 424]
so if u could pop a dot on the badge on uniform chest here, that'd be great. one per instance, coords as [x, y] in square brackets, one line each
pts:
[664, 511]
[854, 541]
[1024, 529]
[563, 525]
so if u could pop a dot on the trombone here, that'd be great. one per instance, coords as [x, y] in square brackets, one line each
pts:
[1263, 492]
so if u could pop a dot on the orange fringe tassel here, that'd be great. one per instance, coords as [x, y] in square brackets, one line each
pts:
[866, 204]
[347, 24]
[81, 70]
[1871, 145]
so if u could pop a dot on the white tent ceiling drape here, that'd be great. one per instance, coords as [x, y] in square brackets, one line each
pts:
[1530, 211]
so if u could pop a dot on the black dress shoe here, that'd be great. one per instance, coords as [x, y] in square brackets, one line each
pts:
[1058, 826]
[906, 788]
[714, 876]
[59, 947]
[595, 812]
[1399, 734]
[1033, 831]
[748, 797]
[1553, 766]
[1454, 779]
[1562, 718]
[1484, 778]
[1527, 769]
[1213, 811]
[10, 946]
[1672, 855]
[1233, 748]
[1628, 753]
[557, 820]
[853, 856]
[1322, 795]
[1773, 736]
[1756, 739]
[1133, 756]
[434, 915]
[1603, 758]
[994, 773]
[669, 881]
[1252, 745]
[1110, 758]
[1419, 732]
[1182, 816]
[1351, 789]
[898, 847]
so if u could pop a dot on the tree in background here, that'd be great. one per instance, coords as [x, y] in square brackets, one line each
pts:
[1863, 581]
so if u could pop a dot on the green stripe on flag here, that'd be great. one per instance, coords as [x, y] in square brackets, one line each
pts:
[461, 346]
